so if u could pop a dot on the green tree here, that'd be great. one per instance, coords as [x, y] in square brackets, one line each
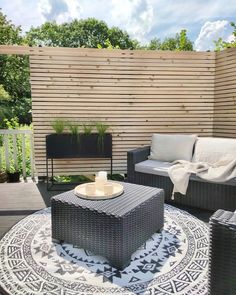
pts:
[155, 44]
[9, 33]
[4, 96]
[14, 74]
[121, 39]
[89, 33]
[178, 43]
[221, 45]
[5, 111]
[184, 43]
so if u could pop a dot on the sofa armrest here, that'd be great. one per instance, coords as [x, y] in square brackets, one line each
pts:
[222, 269]
[135, 156]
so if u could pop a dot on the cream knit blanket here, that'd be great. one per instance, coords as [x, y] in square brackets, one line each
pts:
[221, 171]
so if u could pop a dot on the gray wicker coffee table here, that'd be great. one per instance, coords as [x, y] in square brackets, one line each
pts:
[112, 228]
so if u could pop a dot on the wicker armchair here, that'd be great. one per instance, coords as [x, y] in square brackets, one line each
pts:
[200, 194]
[222, 260]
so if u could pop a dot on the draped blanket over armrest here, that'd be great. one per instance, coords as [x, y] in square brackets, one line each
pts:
[220, 172]
[214, 160]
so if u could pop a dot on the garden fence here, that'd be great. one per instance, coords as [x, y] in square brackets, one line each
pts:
[136, 92]
[17, 151]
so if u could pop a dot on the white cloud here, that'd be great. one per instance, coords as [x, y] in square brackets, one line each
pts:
[135, 16]
[210, 32]
[143, 19]
[22, 13]
[230, 38]
[59, 10]
[44, 7]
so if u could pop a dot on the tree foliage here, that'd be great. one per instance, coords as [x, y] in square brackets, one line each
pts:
[4, 96]
[14, 74]
[89, 33]
[178, 43]
[221, 45]
[5, 112]
[9, 33]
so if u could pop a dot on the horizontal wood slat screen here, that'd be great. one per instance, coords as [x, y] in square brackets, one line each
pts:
[136, 92]
[225, 94]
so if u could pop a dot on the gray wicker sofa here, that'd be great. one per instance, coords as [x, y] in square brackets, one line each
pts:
[200, 193]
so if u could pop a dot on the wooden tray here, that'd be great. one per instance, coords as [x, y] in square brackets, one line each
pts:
[80, 191]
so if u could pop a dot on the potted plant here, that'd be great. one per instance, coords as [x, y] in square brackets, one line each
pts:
[78, 145]
[74, 129]
[101, 129]
[88, 128]
[95, 145]
[13, 174]
[62, 145]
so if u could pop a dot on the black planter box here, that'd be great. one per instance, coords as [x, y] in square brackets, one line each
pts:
[84, 146]
[13, 177]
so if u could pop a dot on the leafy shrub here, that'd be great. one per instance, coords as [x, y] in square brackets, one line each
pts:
[71, 178]
[22, 110]
[14, 124]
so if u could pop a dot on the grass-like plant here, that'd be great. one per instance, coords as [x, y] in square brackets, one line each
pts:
[88, 128]
[74, 128]
[101, 129]
[58, 125]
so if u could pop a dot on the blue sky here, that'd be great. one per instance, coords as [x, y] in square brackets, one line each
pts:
[205, 21]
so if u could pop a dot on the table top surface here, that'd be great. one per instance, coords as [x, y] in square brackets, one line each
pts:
[134, 195]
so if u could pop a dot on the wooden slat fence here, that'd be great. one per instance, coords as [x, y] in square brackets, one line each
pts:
[225, 94]
[137, 93]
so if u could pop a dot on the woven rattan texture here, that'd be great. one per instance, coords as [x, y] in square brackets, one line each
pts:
[114, 233]
[200, 194]
[222, 260]
[132, 197]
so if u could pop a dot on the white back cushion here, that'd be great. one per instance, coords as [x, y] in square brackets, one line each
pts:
[171, 147]
[213, 150]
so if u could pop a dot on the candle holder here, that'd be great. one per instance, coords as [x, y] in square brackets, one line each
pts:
[99, 190]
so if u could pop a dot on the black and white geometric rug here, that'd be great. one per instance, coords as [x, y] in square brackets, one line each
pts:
[174, 261]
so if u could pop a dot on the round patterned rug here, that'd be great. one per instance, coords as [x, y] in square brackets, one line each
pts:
[174, 261]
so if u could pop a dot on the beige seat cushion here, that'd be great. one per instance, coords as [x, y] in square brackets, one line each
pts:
[161, 168]
[153, 167]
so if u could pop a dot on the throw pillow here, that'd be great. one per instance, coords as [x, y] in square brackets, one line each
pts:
[213, 150]
[171, 147]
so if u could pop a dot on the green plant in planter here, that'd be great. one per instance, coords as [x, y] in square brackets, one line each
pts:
[88, 128]
[12, 169]
[58, 125]
[101, 129]
[74, 129]
[13, 173]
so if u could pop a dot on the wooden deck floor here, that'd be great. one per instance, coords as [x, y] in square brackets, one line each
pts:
[21, 199]
[18, 200]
